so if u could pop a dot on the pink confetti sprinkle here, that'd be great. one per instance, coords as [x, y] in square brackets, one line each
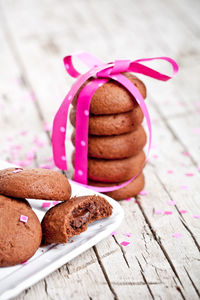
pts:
[184, 187]
[186, 153]
[45, 166]
[50, 159]
[168, 212]
[128, 199]
[113, 233]
[128, 234]
[30, 155]
[196, 130]
[23, 219]
[17, 170]
[32, 96]
[143, 193]
[170, 171]
[23, 132]
[38, 142]
[189, 174]
[24, 163]
[55, 202]
[158, 211]
[177, 235]
[47, 127]
[155, 156]
[196, 216]
[46, 204]
[183, 211]
[171, 202]
[124, 243]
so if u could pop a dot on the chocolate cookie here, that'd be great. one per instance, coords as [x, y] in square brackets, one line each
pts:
[20, 231]
[112, 124]
[113, 98]
[116, 146]
[34, 184]
[117, 170]
[130, 190]
[70, 218]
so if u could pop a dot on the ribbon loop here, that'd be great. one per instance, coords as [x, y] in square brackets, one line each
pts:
[120, 66]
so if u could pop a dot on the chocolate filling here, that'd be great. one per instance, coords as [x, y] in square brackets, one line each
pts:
[83, 215]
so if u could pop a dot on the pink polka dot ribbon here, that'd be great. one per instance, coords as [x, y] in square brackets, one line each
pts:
[100, 74]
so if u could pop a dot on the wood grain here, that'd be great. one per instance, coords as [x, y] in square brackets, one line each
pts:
[34, 37]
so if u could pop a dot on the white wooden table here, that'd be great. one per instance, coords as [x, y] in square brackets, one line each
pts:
[34, 37]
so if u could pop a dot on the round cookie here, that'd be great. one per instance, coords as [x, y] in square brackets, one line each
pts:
[116, 170]
[18, 240]
[34, 184]
[70, 218]
[113, 98]
[130, 190]
[117, 146]
[112, 124]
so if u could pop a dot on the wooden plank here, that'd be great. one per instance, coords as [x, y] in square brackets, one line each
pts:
[151, 277]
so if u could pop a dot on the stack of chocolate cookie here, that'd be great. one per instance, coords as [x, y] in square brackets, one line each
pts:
[116, 138]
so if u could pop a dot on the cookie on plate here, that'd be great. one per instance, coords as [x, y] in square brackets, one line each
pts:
[113, 98]
[70, 218]
[20, 231]
[112, 124]
[130, 190]
[116, 146]
[34, 184]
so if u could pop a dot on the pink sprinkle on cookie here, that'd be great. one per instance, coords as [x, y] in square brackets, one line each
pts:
[46, 204]
[55, 202]
[23, 219]
[124, 243]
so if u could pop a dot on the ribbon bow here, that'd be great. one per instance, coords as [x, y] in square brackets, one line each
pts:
[102, 73]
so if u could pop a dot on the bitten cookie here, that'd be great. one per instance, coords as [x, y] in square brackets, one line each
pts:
[112, 124]
[130, 190]
[70, 218]
[117, 146]
[34, 184]
[113, 98]
[116, 170]
[19, 240]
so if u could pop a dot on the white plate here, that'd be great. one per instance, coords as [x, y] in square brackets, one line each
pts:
[13, 280]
